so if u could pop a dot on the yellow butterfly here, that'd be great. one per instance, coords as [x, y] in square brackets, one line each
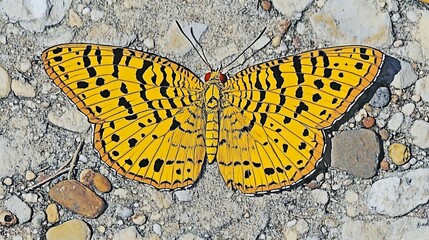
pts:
[156, 122]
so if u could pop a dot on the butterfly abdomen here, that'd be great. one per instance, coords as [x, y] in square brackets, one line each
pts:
[212, 107]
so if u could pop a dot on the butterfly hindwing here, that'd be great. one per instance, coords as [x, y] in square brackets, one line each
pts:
[282, 106]
[147, 110]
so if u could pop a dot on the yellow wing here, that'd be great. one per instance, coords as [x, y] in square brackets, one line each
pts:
[273, 114]
[147, 110]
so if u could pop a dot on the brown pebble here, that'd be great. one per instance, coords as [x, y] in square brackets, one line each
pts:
[266, 5]
[101, 183]
[384, 134]
[7, 219]
[77, 198]
[313, 184]
[368, 122]
[385, 165]
[52, 213]
[284, 25]
[70, 230]
[87, 177]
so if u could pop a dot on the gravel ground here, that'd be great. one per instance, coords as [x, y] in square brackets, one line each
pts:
[382, 196]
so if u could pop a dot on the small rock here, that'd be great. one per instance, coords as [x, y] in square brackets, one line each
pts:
[397, 196]
[405, 77]
[408, 109]
[87, 177]
[360, 115]
[261, 42]
[399, 153]
[7, 181]
[23, 89]
[356, 152]
[71, 119]
[422, 88]
[368, 122]
[275, 42]
[266, 5]
[139, 218]
[96, 15]
[284, 25]
[290, 7]
[71, 230]
[52, 213]
[384, 134]
[176, 43]
[38, 219]
[5, 83]
[3, 39]
[422, 34]
[101, 183]
[398, 43]
[25, 65]
[7, 219]
[420, 133]
[123, 212]
[381, 97]
[29, 197]
[183, 195]
[416, 98]
[19, 208]
[320, 196]
[395, 121]
[30, 175]
[412, 16]
[101, 229]
[121, 192]
[149, 43]
[86, 11]
[74, 19]
[157, 229]
[313, 184]
[129, 233]
[351, 196]
[385, 165]
[77, 198]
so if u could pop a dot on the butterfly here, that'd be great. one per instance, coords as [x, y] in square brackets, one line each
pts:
[158, 123]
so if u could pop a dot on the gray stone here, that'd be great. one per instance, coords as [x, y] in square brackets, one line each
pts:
[405, 77]
[395, 121]
[38, 219]
[290, 7]
[420, 133]
[18, 207]
[356, 152]
[174, 42]
[157, 229]
[129, 233]
[5, 83]
[422, 88]
[396, 196]
[183, 195]
[381, 97]
[71, 119]
[422, 34]
[340, 23]
[123, 212]
[320, 196]
[408, 109]
[23, 89]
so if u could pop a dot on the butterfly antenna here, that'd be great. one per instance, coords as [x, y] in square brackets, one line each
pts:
[254, 41]
[190, 41]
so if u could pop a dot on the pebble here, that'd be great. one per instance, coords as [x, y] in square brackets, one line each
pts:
[71, 230]
[416, 98]
[30, 175]
[356, 152]
[399, 153]
[29, 197]
[422, 88]
[101, 229]
[381, 97]
[351, 196]
[38, 219]
[175, 43]
[139, 218]
[183, 195]
[398, 43]
[86, 11]
[290, 7]
[360, 115]
[71, 120]
[149, 43]
[413, 161]
[384, 134]
[25, 65]
[397, 196]
[385, 165]
[157, 229]
[129, 233]
[405, 77]
[261, 42]
[420, 133]
[77, 198]
[408, 109]
[368, 122]
[395, 121]
[7, 219]
[313, 184]
[120, 192]
[101, 183]
[422, 34]
[266, 5]
[19, 208]
[283, 25]
[3, 39]
[7, 181]
[96, 15]
[123, 212]
[52, 213]
[320, 196]
[87, 177]
[74, 19]
[5, 83]
[336, 23]
[275, 42]
[23, 89]
[412, 16]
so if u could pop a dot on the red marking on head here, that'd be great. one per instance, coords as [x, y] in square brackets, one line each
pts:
[207, 77]
[222, 78]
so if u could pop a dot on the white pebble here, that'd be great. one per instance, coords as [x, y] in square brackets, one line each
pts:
[360, 115]
[139, 218]
[291, 223]
[157, 229]
[96, 15]
[101, 229]
[30, 175]
[29, 197]
[25, 65]
[398, 43]
[183, 195]
[416, 98]
[412, 16]
[395, 17]
[7, 181]
[395, 121]
[3, 39]
[413, 161]
[149, 43]
[86, 11]
[408, 109]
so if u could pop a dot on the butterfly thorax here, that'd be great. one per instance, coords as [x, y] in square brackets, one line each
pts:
[212, 99]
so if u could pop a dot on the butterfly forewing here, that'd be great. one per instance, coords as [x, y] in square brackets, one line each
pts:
[276, 112]
[147, 110]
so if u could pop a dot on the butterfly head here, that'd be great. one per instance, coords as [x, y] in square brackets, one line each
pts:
[215, 75]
